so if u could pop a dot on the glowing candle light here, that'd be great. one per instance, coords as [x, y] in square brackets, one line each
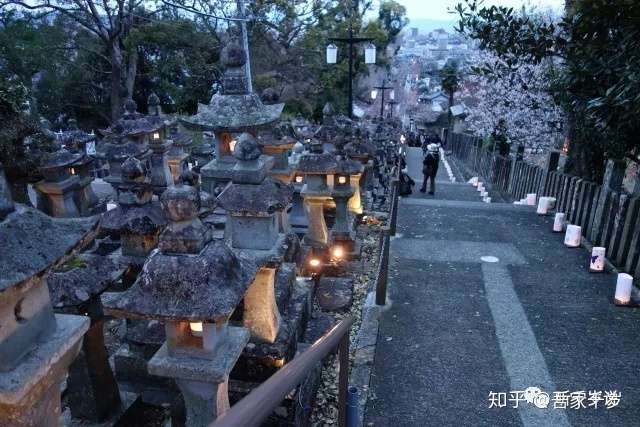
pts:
[196, 328]
[338, 252]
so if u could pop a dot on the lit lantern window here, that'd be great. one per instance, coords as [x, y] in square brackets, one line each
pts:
[232, 145]
[338, 252]
[342, 179]
[156, 136]
[299, 179]
[196, 328]
[374, 94]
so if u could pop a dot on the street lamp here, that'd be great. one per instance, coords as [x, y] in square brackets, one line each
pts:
[332, 54]
[351, 40]
[381, 88]
[370, 54]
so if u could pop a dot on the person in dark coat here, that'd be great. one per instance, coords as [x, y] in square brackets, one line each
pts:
[430, 168]
[405, 186]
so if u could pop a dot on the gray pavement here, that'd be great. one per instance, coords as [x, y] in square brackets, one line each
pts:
[485, 298]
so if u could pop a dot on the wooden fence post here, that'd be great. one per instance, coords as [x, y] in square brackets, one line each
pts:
[612, 182]
[551, 165]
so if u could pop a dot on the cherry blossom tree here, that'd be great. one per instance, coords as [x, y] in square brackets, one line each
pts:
[522, 99]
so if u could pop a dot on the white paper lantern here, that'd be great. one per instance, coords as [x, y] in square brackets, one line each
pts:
[596, 262]
[370, 54]
[374, 94]
[91, 148]
[332, 54]
[558, 222]
[624, 284]
[531, 199]
[111, 205]
[487, 199]
[543, 206]
[573, 236]
[551, 203]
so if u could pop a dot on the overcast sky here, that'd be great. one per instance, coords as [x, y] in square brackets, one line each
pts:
[437, 9]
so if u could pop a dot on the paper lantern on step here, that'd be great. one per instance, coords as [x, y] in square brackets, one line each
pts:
[558, 222]
[624, 285]
[531, 199]
[573, 236]
[596, 262]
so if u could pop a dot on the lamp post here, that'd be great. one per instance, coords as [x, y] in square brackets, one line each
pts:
[351, 40]
[392, 103]
[382, 88]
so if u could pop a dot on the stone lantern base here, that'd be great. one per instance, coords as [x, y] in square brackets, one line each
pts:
[203, 382]
[30, 393]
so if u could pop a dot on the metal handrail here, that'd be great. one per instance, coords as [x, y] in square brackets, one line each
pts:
[255, 407]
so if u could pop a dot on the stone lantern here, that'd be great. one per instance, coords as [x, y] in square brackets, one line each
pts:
[204, 152]
[86, 200]
[137, 220]
[178, 155]
[364, 153]
[342, 233]
[232, 111]
[56, 191]
[192, 284]
[253, 203]
[36, 345]
[115, 151]
[278, 144]
[75, 287]
[316, 167]
[149, 133]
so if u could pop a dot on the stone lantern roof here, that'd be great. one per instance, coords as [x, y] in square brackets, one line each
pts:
[235, 109]
[133, 124]
[33, 241]
[349, 167]
[56, 161]
[173, 287]
[279, 136]
[318, 164]
[256, 200]
[70, 286]
[74, 139]
[122, 151]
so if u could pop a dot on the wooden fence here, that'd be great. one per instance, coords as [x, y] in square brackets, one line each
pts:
[608, 216]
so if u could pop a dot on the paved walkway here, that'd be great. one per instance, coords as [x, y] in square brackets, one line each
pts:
[460, 326]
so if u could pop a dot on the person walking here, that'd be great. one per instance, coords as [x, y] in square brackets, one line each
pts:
[430, 168]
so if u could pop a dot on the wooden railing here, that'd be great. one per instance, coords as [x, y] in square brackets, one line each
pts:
[254, 408]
